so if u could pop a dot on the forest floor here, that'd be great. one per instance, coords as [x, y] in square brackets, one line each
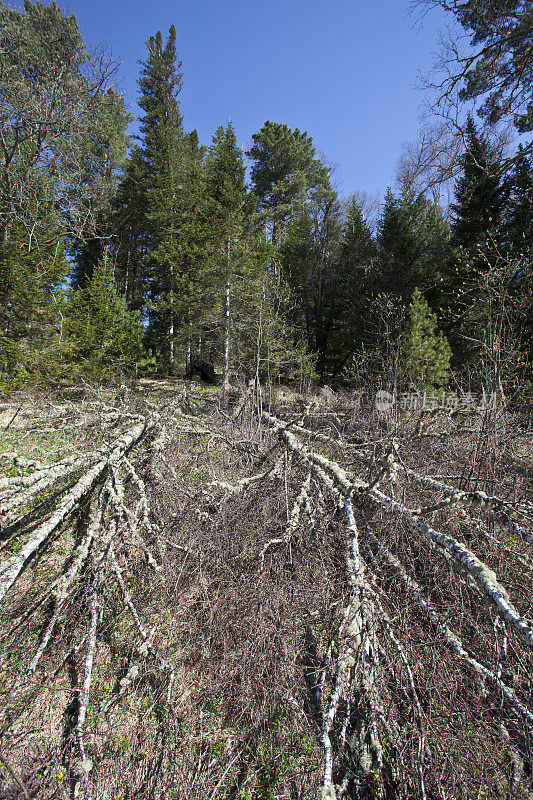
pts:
[235, 597]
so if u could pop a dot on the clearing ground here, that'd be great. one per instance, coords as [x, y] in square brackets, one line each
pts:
[213, 597]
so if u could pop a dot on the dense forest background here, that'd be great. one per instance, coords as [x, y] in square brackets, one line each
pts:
[150, 254]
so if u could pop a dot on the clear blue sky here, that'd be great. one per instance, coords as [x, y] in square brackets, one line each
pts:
[344, 70]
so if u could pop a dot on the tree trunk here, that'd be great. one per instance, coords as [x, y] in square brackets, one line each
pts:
[171, 343]
[189, 359]
[225, 368]
[171, 324]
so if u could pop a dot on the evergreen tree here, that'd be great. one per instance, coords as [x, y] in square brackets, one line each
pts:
[519, 227]
[61, 123]
[238, 256]
[31, 299]
[170, 164]
[285, 172]
[63, 137]
[480, 195]
[162, 155]
[133, 237]
[414, 244]
[498, 70]
[103, 334]
[425, 350]
[107, 158]
[330, 266]
[482, 243]
[309, 257]
[224, 177]
[356, 286]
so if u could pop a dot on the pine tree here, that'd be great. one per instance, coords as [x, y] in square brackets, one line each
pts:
[285, 172]
[497, 69]
[328, 259]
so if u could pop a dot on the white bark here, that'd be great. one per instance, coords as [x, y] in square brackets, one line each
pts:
[86, 763]
[12, 567]
[482, 575]
[225, 367]
[301, 501]
[243, 483]
[494, 507]
[66, 580]
[450, 638]
[25, 481]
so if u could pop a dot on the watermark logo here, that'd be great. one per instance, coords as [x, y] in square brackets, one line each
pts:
[384, 401]
[430, 401]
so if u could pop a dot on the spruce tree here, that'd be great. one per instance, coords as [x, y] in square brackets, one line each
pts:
[425, 350]
[170, 163]
[482, 246]
[309, 260]
[162, 153]
[480, 195]
[106, 161]
[519, 223]
[414, 244]
[356, 286]
[103, 335]
[234, 262]
[133, 234]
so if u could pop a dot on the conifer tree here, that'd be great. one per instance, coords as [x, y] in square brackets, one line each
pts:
[284, 173]
[481, 245]
[162, 152]
[356, 285]
[426, 351]
[226, 192]
[171, 166]
[414, 244]
[133, 238]
[63, 133]
[103, 334]
[31, 301]
[519, 223]
[107, 159]
[61, 123]
[236, 261]
[480, 195]
[309, 258]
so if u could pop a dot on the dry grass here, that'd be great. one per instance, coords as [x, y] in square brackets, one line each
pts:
[246, 636]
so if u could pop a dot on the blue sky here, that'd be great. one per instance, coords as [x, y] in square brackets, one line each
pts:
[344, 70]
